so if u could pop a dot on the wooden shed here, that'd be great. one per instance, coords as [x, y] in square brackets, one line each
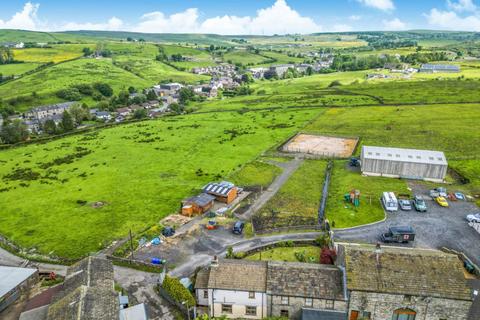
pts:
[224, 191]
[404, 163]
[197, 205]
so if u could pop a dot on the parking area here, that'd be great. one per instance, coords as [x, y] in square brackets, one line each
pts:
[438, 227]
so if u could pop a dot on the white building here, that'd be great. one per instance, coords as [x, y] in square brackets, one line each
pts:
[233, 288]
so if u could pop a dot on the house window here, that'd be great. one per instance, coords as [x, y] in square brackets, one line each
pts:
[308, 302]
[226, 308]
[284, 313]
[284, 300]
[329, 304]
[205, 294]
[251, 311]
[404, 314]
[251, 295]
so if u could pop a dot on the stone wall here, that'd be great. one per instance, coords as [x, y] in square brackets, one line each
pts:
[381, 306]
[295, 305]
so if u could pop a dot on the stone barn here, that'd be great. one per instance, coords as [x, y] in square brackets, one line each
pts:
[404, 163]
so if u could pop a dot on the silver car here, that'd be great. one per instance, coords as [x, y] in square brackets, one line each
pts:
[474, 217]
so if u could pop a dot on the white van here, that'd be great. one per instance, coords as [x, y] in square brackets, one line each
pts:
[389, 201]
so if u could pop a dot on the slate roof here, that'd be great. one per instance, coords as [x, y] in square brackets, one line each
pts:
[240, 275]
[11, 277]
[87, 292]
[201, 200]
[404, 155]
[408, 271]
[305, 280]
[315, 314]
[201, 281]
[440, 67]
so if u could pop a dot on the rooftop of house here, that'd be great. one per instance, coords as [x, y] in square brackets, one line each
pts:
[220, 189]
[311, 280]
[87, 292]
[408, 271]
[240, 275]
[11, 277]
[201, 200]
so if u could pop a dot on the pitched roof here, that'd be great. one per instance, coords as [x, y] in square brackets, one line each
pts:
[310, 280]
[201, 281]
[11, 277]
[408, 271]
[404, 155]
[201, 200]
[220, 189]
[87, 292]
[241, 275]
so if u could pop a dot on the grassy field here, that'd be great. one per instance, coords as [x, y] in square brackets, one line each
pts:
[287, 254]
[342, 214]
[64, 179]
[16, 69]
[255, 174]
[297, 201]
[244, 57]
[281, 58]
[48, 81]
[155, 71]
[57, 53]
[442, 127]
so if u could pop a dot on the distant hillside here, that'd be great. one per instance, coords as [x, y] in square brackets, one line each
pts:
[7, 35]
[205, 39]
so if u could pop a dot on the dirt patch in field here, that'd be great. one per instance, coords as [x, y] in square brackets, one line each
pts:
[175, 220]
[321, 145]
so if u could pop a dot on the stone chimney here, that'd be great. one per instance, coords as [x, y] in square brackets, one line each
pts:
[378, 252]
[214, 262]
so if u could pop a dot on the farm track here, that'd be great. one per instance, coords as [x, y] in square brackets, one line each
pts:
[288, 169]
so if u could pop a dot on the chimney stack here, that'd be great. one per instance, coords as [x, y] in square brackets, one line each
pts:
[378, 251]
[214, 261]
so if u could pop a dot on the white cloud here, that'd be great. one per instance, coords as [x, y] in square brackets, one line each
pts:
[114, 24]
[355, 17]
[279, 18]
[384, 5]
[25, 19]
[157, 22]
[462, 5]
[394, 24]
[449, 20]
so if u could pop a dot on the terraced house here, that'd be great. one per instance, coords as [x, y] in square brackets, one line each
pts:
[405, 284]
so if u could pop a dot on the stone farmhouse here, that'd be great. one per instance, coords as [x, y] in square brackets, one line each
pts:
[404, 284]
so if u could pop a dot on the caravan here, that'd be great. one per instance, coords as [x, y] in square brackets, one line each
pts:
[389, 201]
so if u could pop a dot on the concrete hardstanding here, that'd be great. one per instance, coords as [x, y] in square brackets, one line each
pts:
[382, 306]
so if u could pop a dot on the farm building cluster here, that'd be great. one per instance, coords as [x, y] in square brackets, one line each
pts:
[224, 192]
[280, 70]
[364, 282]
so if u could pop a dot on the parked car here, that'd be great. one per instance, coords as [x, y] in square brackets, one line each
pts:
[459, 196]
[474, 217]
[168, 231]
[442, 201]
[403, 234]
[238, 227]
[389, 201]
[438, 192]
[211, 225]
[405, 204]
[419, 204]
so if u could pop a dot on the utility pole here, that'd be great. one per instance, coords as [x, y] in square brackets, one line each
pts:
[131, 245]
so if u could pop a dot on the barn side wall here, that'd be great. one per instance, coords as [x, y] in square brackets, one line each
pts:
[402, 169]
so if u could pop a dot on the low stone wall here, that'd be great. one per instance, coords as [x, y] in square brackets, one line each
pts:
[135, 264]
[284, 229]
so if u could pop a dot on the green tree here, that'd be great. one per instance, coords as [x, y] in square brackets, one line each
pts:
[151, 95]
[67, 123]
[14, 132]
[178, 109]
[247, 78]
[131, 90]
[140, 114]
[50, 127]
[79, 113]
[87, 52]
[104, 89]
[186, 94]
[6, 55]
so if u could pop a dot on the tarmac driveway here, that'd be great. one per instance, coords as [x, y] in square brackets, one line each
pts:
[438, 227]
